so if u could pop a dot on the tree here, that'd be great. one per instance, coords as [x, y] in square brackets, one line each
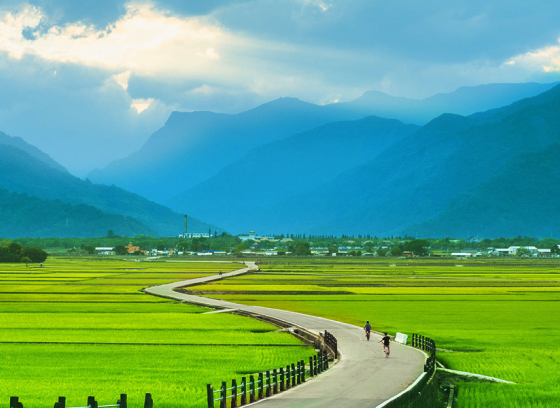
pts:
[88, 249]
[26, 260]
[302, 248]
[418, 247]
[238, 250]
[382, 251]
[37, 255]
[523, 252]
[396, 251]
[121, 250]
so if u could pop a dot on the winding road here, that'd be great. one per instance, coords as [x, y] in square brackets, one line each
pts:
[362, 378]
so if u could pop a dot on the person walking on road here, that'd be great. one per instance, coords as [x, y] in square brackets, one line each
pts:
[367, 329]
[386, 339]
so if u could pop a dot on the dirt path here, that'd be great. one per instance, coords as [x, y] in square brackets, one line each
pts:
[362, 378]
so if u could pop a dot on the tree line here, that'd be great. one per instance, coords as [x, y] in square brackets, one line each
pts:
[14, 252]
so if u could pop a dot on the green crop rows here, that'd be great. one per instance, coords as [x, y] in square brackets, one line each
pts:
[498, 320]
[83, 327]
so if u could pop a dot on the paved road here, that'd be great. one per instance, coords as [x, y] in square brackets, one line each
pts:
[362, 378]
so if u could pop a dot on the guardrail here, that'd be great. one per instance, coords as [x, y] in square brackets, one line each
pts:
[423, 392]
[428, 345]
[331, 342]
[91, 402]
[267, 383]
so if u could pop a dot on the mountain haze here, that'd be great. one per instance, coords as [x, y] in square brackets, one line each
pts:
[419, 178]
[29, 216]
[30, 149]
[193, 147]
[520, 196]
[464, 101]
[286, 168]
[22, 173]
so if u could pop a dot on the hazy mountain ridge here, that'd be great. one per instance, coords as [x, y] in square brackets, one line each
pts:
[527, 181]
[30, 149]
[261, 177]
[22, 173]
[463, 101]
[428, 170]
[193, 147]
[29, 216]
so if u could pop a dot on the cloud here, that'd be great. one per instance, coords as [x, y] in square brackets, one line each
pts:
[546, 59]
[141, 104]
[137, 42]
[108, 73]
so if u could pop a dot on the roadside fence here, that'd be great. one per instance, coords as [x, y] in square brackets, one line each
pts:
[91, 402]
[428, 345]
[267, 383]
[331, 343]
[423, 393]
[420, 263]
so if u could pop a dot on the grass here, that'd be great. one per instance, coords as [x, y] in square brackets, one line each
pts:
[80, 328]
[500, 320]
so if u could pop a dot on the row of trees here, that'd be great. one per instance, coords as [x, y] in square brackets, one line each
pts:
[15, 252]
[301, 244]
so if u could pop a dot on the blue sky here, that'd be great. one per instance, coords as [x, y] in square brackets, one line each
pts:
[89, 81]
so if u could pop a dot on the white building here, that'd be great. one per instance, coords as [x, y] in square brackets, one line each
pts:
[195, 235]
[105, 251]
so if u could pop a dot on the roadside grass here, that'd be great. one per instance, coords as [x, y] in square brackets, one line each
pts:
[91, 331]
[500, 320]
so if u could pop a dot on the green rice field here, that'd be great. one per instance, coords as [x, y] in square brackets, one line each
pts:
[500, 319]
[83, 327]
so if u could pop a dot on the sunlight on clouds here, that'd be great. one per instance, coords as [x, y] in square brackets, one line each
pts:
[122, 79]
[138, 43]
[545, 59]
[141, 104]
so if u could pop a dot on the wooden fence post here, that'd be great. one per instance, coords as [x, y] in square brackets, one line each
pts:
[61, 403]
[311, 367]
[268, 390]
[14, 402]
[148, 401]
[260, 386]
[326, 361]
[251, 388]
[293, 375]
[243, 391]
[288, 382]
[319, 362]
[315, 371]
[223, 395]
[282, 383]
[91, 402]
[302, 371]
[275, 381]
[210, 395]
[122, 401]
[233, 394]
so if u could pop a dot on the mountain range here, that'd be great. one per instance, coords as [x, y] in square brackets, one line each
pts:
[194, 146]
[48, 200]
[483, 164]
[418, 180]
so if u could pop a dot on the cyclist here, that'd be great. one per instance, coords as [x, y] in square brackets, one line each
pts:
[367, 329]
[386, 339]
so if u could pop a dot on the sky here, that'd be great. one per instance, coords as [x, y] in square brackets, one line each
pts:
[89, 81]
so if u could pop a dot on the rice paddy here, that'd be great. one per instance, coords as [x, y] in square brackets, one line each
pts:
[500, 320]
[83, 327]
